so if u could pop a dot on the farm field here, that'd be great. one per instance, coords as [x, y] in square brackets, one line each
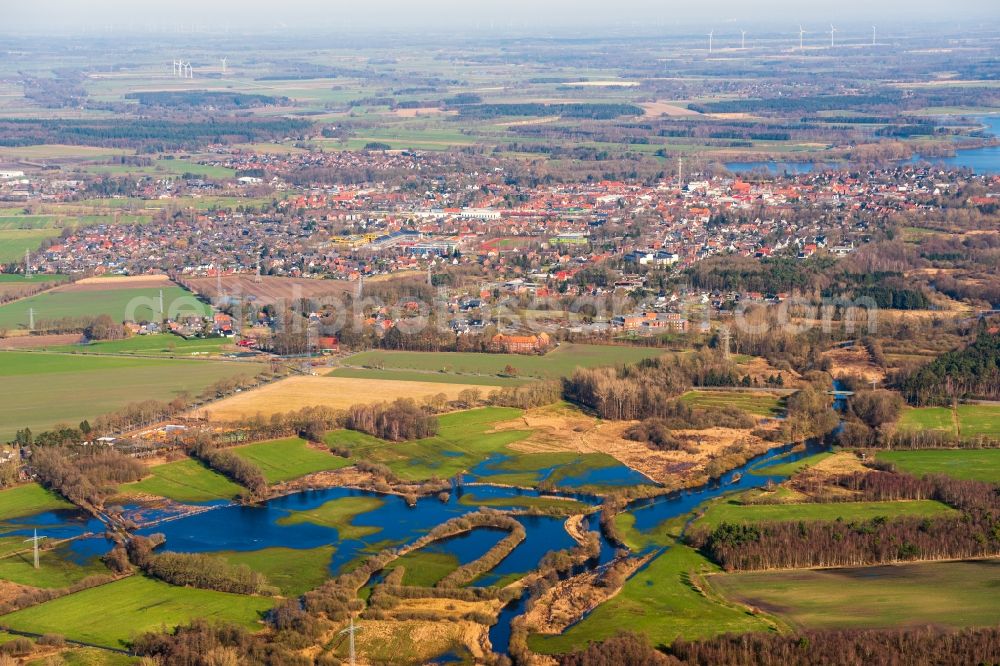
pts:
[27, 499]
[270, 288]
[13, 242]
[131, 606]
[17, 278]
[120, 303]
[296, 392]
[658, 591]
[559, 362]
[939, 593]
[164, 344]
[975, 464]
[183, 481]
[972, 420]
[754, 402]
[288, 459]
[487, 382]
[976, 420]
[45, 389]
[732, 512]
[928, 418]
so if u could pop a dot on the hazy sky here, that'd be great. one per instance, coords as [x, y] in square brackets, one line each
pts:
[258, 15]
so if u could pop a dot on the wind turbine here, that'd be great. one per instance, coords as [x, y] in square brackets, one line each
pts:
[35, 539]
[743, 39]
[801, 33]
[873, 35]
[224, 66]
[833, 31]
[711, 34]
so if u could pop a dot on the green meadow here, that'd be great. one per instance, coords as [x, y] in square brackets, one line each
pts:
[338, 514]
[291, 570]
[952, 594]
[57, 568]
[660, 603]
[13, 243]
[731, 511]
[975, 464]
[463, 440]
[973, 421]
[287, 459]
[28, 499]
[424, 568]
[184, 481]
[113, 614]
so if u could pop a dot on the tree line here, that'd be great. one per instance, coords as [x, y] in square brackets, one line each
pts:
[396, 421]
[846, 647]
[974, 532]
[85, 476]
[646, 389]
[207, 572]
[230, 465]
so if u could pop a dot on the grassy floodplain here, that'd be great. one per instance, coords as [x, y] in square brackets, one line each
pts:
[113, 614]
[955, 594]
[288, 459]
[660, 603]
[338, 514]
[754, 402]
[57, 568]
[794, 467]
[28, 499]
[184, 481]
[44, 389]
[292, 571]
[729, 511]
[463, 440]
[975, 464]
[466, 439]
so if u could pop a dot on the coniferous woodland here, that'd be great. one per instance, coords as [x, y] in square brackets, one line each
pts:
[973, 372]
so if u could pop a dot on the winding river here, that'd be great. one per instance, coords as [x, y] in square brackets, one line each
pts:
[224, 526]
